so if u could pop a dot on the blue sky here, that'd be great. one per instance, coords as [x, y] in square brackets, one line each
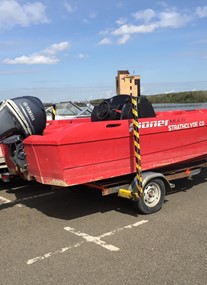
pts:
[71, 50]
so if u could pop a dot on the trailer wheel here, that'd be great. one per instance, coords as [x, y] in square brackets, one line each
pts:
[153, 198]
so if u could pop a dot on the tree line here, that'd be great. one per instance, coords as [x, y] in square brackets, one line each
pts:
[180, 97]
[175, 97]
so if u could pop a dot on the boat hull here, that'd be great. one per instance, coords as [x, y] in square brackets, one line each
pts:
[80, 151]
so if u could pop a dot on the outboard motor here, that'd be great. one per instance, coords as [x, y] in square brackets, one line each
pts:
[19, 118]
[22, 115]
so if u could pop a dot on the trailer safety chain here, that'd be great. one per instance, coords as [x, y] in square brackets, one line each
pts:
[135, 102]
[53, 111]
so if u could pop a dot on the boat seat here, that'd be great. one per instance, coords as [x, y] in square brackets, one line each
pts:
[119, 107]
[145, 109]
[110, 109]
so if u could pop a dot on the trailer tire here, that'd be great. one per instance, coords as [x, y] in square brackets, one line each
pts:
[153, 197]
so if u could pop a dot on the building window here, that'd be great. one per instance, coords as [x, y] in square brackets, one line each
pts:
[137, 82]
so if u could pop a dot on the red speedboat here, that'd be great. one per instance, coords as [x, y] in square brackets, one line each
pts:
[79, 151]
[99, 150]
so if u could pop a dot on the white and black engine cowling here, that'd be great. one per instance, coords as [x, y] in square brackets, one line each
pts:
[20, 117]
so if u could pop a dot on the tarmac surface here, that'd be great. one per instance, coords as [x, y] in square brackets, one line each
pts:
[76, 236]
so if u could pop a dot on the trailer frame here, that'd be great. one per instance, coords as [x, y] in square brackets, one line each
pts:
[159, 181]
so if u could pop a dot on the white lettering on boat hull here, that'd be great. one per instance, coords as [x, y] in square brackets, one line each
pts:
[165, 123]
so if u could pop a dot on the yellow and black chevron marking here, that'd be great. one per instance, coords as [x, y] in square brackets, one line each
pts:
[137, 145]
[53, 111]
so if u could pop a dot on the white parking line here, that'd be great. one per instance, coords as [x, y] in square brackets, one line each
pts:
[7, 201]
[18, 201]
[49, 254]
[87, 238]
[123, 228]
[96, 240]
[4, 200]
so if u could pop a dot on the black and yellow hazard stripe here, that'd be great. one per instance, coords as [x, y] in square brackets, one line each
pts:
[53, 111]
[137, 145]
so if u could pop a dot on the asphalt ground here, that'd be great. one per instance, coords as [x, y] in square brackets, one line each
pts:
[76, 236]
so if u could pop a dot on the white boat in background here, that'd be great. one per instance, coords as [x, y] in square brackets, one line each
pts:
[69, 110]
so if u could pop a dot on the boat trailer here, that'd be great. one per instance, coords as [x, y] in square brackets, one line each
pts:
[155, 185]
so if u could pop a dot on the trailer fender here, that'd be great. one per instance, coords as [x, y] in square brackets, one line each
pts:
[146, 177]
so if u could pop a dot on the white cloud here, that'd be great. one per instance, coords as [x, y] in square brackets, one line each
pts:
[46, 56]
[173, 19]
[121, 21]
[166, 19]
[145, 15]
[132, 29]
[12, 13]
[123, 39]
[33, 59]
[201, 12]
[53, 49]
[105, 41]
[69, 8]
[151, 20]
[105, 32]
